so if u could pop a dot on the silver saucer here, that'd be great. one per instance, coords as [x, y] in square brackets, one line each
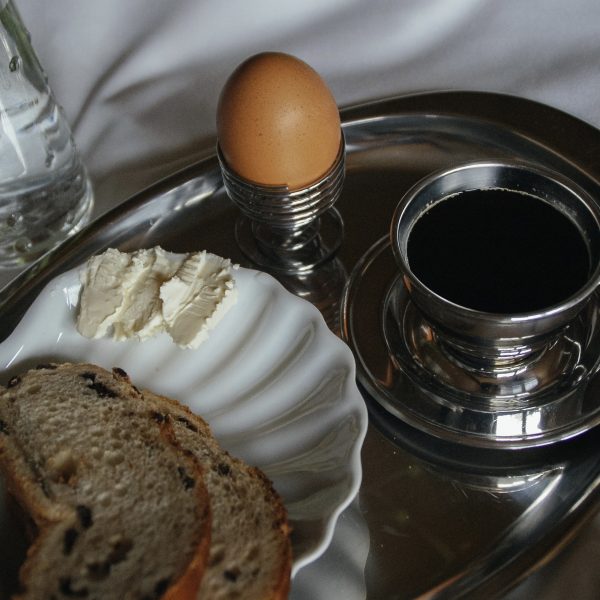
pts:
[379, 322]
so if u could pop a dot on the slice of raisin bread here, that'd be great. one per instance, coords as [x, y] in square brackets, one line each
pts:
[119, 510]
[250, 554]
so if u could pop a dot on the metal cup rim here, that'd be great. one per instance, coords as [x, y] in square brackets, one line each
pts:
[541, 320]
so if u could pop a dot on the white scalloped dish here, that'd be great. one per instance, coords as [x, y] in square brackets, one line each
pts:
[277, 387]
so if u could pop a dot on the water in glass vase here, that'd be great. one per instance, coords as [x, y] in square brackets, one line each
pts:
[45, 192]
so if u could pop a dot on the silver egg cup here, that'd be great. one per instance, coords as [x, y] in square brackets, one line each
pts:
[288, 231]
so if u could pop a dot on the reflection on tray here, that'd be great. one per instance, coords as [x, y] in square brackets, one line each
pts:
[322, 286]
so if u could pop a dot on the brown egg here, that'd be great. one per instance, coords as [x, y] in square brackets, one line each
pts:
[277, 122]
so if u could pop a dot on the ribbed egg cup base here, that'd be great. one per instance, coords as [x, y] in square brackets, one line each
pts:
[291, 251]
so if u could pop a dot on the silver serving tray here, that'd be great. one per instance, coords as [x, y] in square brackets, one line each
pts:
[431, 517]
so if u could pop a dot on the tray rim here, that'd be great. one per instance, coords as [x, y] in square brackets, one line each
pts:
[351, 115]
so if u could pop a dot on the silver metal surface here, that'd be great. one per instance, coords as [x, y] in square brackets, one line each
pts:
[473, 377]
[287, 230]
[432, 517]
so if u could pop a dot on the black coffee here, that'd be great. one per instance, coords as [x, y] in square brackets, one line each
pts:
[498, 251]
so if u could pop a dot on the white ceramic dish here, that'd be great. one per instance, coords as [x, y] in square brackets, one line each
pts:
[277, 387]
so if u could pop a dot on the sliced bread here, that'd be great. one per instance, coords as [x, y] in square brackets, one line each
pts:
[119, 510]
[250, 553]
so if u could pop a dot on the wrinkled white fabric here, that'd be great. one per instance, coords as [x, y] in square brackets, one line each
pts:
[139, 81]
